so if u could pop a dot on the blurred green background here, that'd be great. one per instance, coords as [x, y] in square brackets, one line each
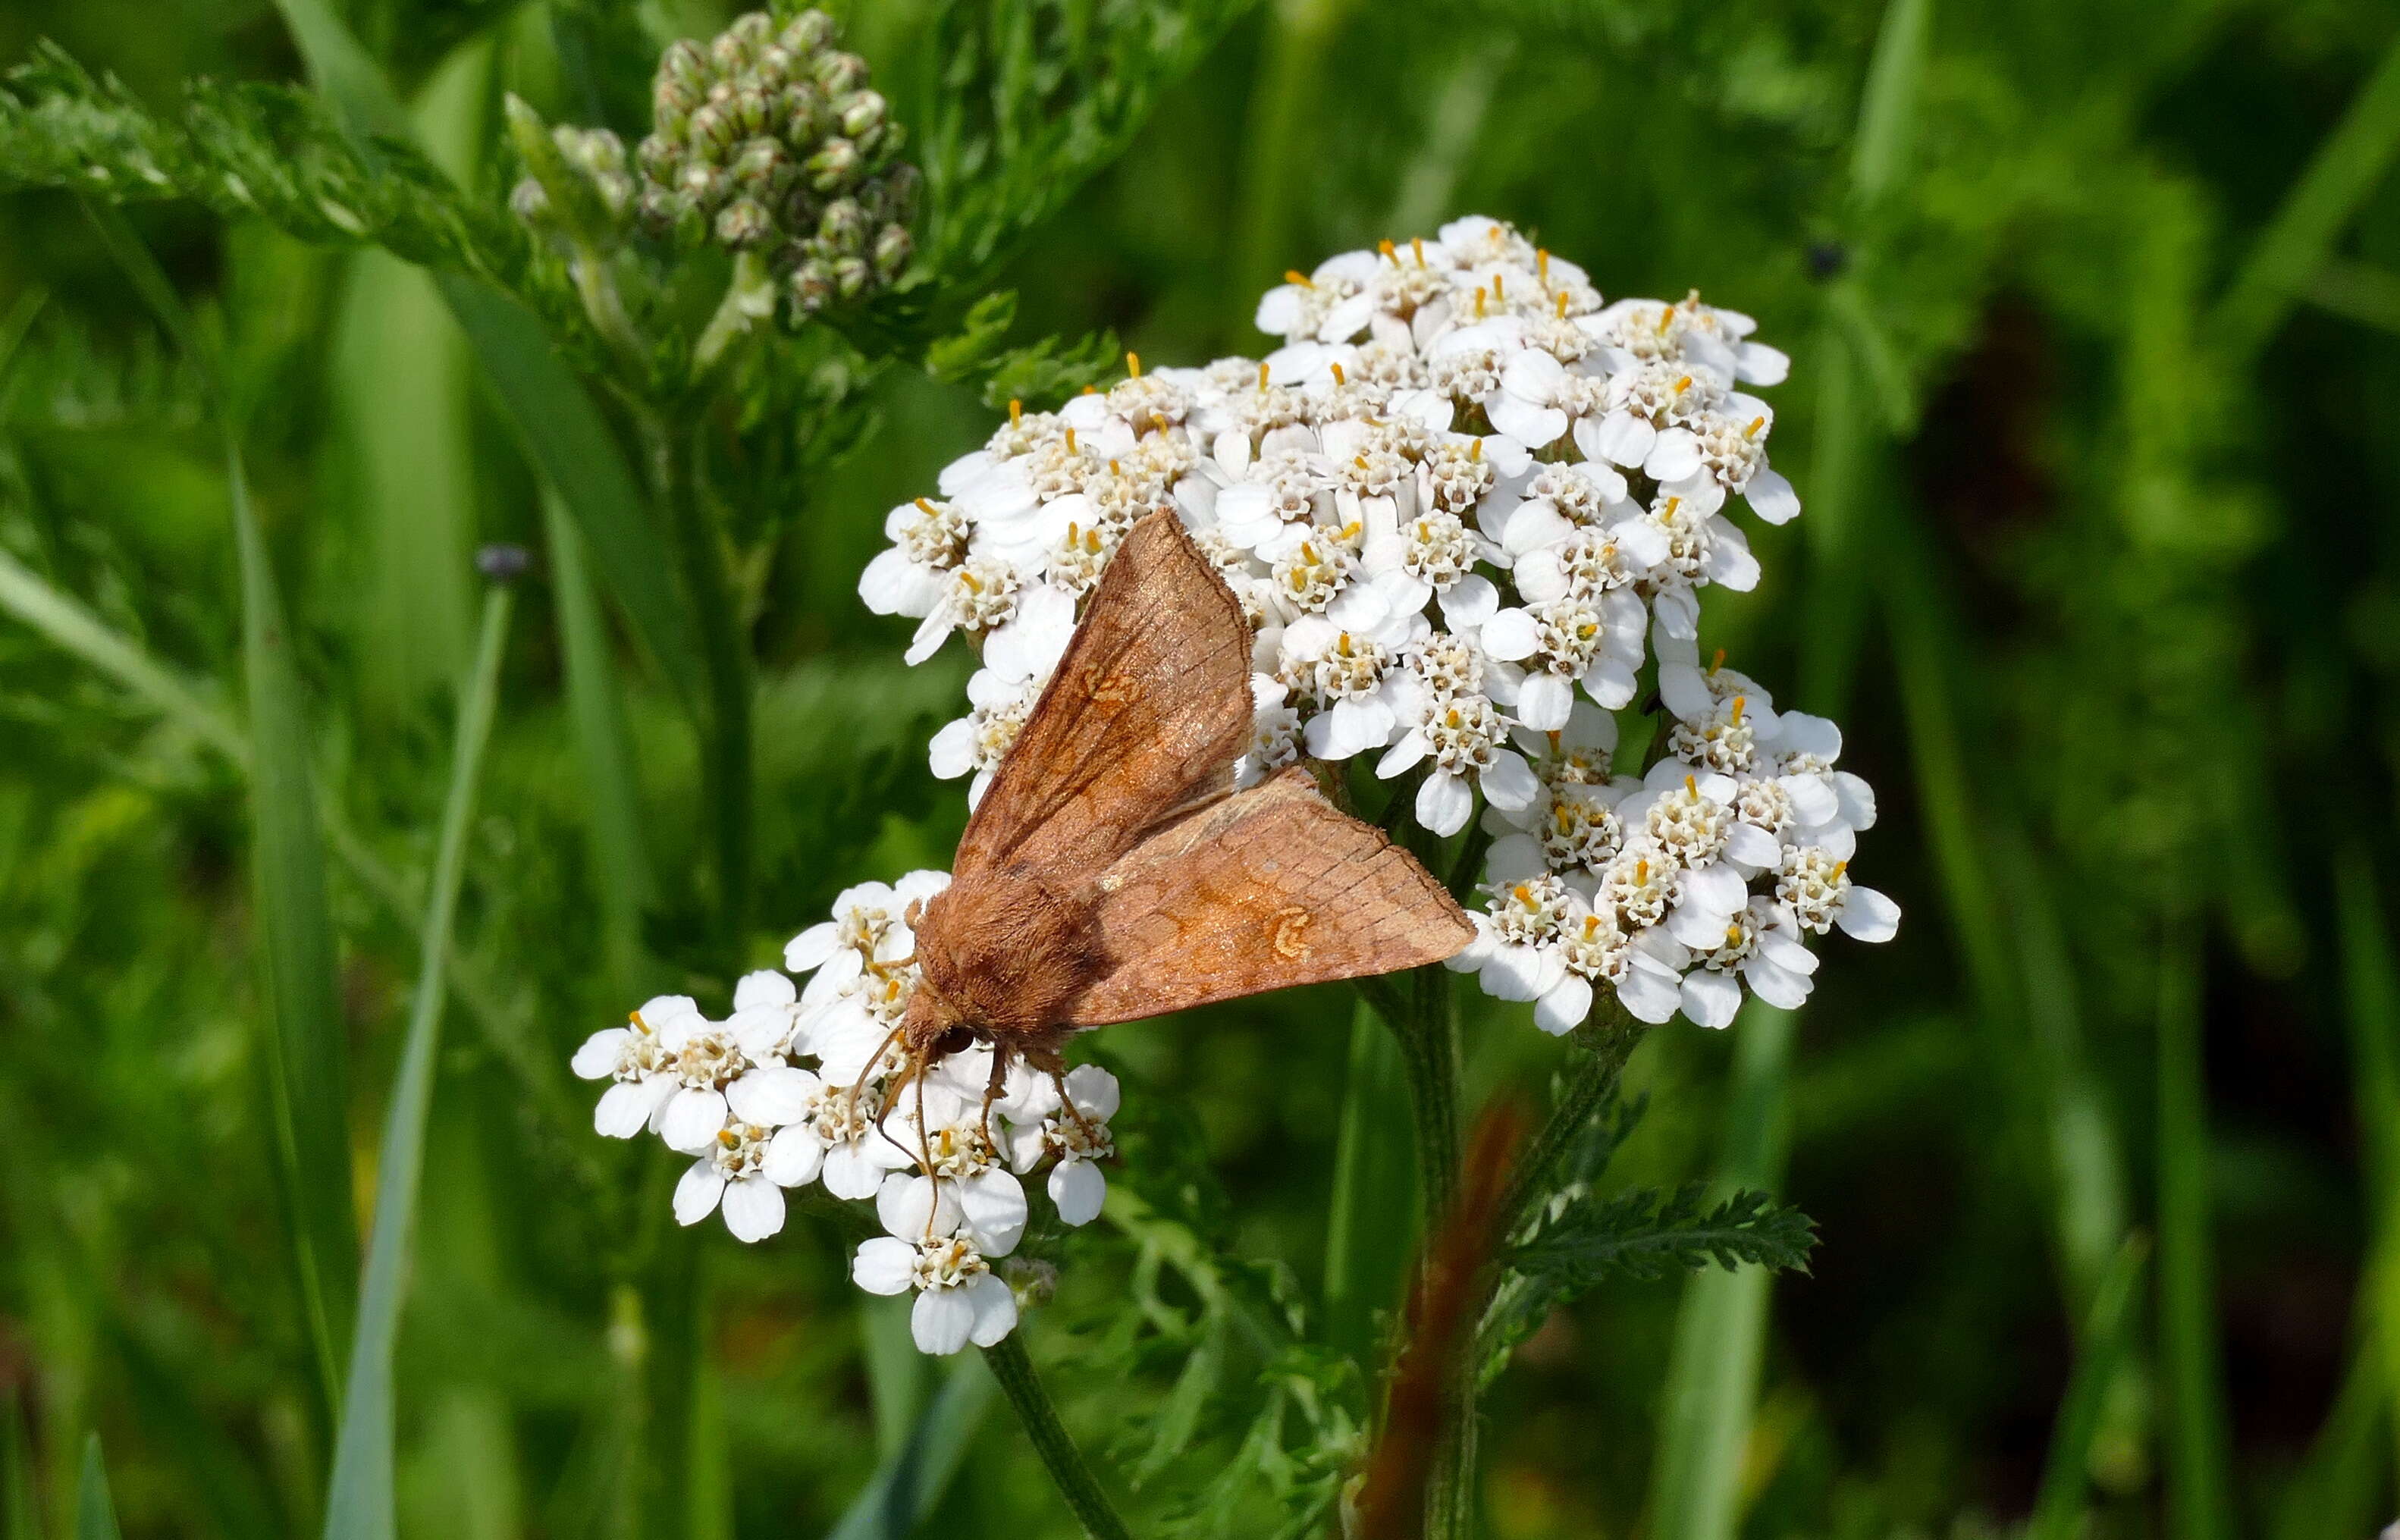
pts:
[2094, 307]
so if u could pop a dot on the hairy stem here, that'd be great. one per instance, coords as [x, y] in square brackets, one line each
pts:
[725, 741]
[1612, 1042]
[1014, 1368]
[749, 297]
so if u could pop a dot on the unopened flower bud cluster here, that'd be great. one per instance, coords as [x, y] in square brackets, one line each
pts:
[769, 140]
[1464, 503]
[803, 1085]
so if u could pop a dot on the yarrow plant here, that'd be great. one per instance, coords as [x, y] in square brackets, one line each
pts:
[1468, 507]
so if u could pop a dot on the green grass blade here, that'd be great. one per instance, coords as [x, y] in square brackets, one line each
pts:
[2058, 1511]
[895, 1372]
[2371, 989]
[76, 629]
[2347, 168]
[19, 1518]
[2200, 1482]
[1367, 1254]
[95, 1510]
[1721, 1333]
[359, 1505]
[400, 380]
[596, 709]
[908, 1482]
[2334, 1494]
[1888, 107]
[306, 1046]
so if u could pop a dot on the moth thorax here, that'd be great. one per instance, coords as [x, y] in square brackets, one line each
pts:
[1005, 951]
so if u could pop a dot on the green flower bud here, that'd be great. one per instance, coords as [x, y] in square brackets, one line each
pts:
[831, 165]
[807, 33]
[850, 276]
[811, 288]
[686, 65]
[711, 131]
[840, 74]
[843, 225]
[744, 222]
[761, 169]
[658, 157]
[528, 202]
[861, 112]
[894, 248]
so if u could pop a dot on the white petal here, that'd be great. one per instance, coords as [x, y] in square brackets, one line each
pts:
[1752, 847]
[773, 1094]
[952, 752]
[693, 1120]
[1756, 363]
[1651, 996]
[1778, 987]
[597, 1058]
[1771, 497]
[1510, 635]
[1711, 999]
[850, 1172]
[794, 1156]
[994, 1205]
[754, 1208]
[626, 1107]
[1444, 803]
[941, 1320]
[696, 1195]
[1533, 426]
[1546, 701]
[1624, 438]
[1866, 915]
[995, 1310]
[884, 1265]
[810, 947]
[1675, 454]
[894, 585]
[1096, 1092]
[1469, 602]
[1562, 1007]
[1077, 1189]
[1403, 756]
[1511, 783]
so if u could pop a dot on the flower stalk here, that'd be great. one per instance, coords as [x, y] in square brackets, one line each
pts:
[1081, 1490]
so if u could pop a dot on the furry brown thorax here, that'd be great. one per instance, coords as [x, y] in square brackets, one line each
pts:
[1002, 955]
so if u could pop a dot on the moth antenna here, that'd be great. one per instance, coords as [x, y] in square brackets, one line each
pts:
[925, 1152]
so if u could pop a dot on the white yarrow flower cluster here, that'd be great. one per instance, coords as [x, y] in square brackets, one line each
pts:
[804, 1084]
[1465, 505]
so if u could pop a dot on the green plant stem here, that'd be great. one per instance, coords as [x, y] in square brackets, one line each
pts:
[2199, 1489]
[360, 1506]
[1611, 1044]
[749, 298]
[1013, 1369]
[724, 725]
[1419, 1015]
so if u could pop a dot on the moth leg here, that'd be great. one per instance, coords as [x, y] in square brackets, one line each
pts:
[1000, 1067]
[1057, 1069]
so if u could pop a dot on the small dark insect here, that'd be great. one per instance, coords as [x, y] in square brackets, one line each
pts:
[1112, 872]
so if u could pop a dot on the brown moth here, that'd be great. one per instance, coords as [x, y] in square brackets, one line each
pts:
[1112, 871]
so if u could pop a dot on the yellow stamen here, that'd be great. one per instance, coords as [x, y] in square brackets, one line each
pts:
[1542, 270]
[1091, 389]
[1739, 702]
[1361, 461]
[1133, 366]
[973, 584]
[1475, 453]
[1416, 244]
[1293, 275]
[1682, 385]
[1386, 247]
[1070, 441]
[1672, 503]
[1716, 663]
[1497, 292]
[1733, 936]
[1479, 302]
[1262, 376]
[1840, 866]
[1522, 894]
[1642, 870]
[1113, 470]
[1015, 412]
[1350, 530]
[1562, 305]
[926, 506]
[1755, 424]
[1691, 786]
[1339, 378]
